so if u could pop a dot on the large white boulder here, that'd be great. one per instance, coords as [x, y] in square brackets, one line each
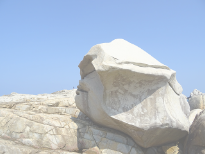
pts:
[125, 88]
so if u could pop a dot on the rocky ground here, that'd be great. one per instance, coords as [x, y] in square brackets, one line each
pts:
[51, 124]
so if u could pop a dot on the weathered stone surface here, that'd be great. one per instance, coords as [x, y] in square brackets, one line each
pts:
[195, 141]
[51, 124]
[197, 100]
[94, 150]
[193, 114]
[196, 150]
[184, 105]
[152, 150]
[10, 147]
[125, 88]
[172, 149]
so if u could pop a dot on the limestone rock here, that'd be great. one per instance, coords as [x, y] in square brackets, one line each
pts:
[94, 150]
[197, 100]
[184, 105]
[195, 141]
[10, 147]
[51, 124]
[125, 88]
[152, 150]
[172, 149]
[196, 150]
[193, 114]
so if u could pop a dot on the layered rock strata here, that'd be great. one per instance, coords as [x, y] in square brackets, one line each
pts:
[51, 124]
[124, 88]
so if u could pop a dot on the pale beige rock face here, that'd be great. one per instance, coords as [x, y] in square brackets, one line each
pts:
[193, 114]
[195, 141]
[184, 105]
[125, 88]
[172, 149]
[10, 147]
[51, 124]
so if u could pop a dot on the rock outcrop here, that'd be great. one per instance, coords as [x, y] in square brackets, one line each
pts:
[197, 100]
[124, 88]
[153, 150]
[51, 124]
[184, 105]
[195, 141]
[193, 114]
[172, 149]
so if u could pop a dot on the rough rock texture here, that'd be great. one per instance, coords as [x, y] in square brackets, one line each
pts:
[197, 100]
[193, 114]
[51, 124]
[196, 150]
[184, 105]
[152, 150]
[195, 141]
[125, 88]
[172, 149]
[11, 147]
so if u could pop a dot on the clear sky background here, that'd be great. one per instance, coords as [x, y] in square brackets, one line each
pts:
[43, 41]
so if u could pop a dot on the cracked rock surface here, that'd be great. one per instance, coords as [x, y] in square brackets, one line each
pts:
[52, 124]
[193, 114]
[195, 141]
[125, 88]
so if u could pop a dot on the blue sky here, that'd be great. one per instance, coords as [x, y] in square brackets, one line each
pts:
[43, 41]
